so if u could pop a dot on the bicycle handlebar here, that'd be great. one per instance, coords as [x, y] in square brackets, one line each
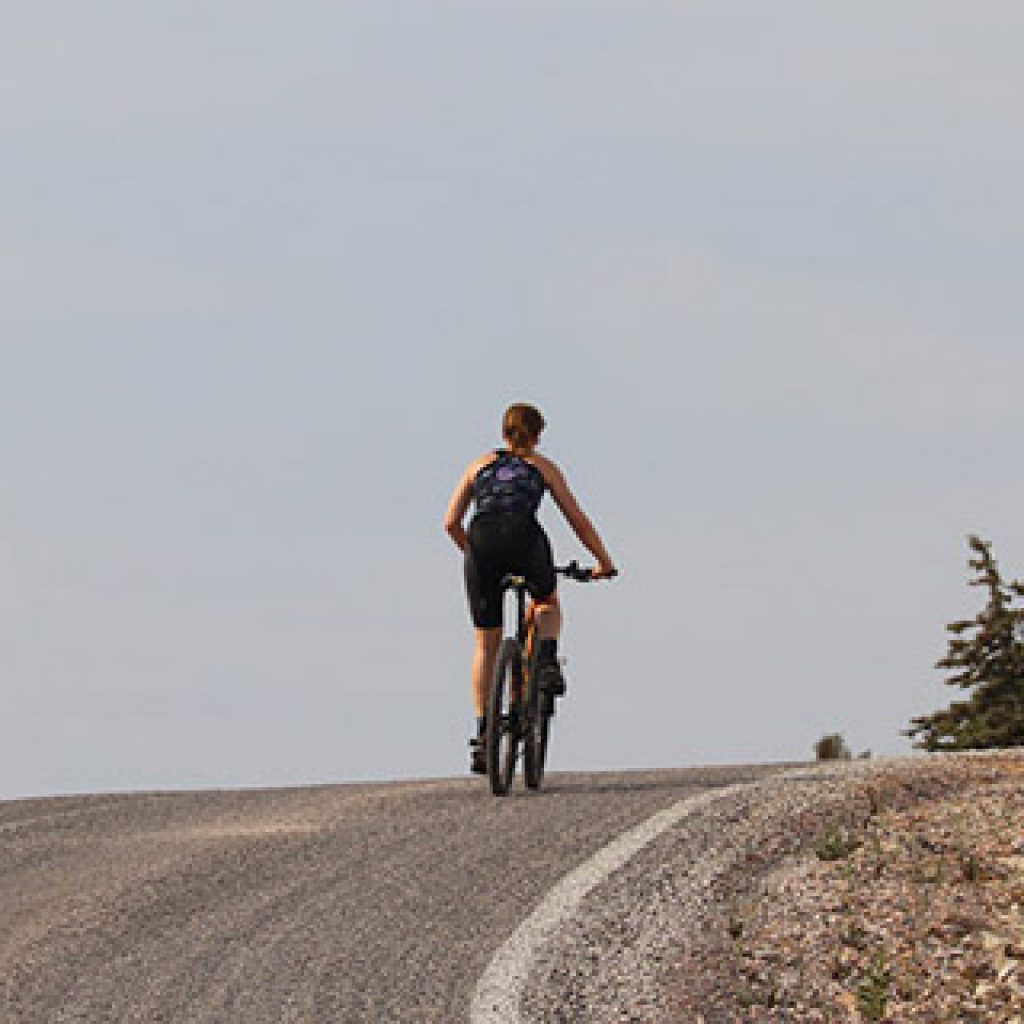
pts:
[575, 572]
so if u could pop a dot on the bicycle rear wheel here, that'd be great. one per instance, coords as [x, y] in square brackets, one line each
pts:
[503, 716]
[538, 721]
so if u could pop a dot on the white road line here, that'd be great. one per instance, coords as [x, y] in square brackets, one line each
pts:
[499, 992]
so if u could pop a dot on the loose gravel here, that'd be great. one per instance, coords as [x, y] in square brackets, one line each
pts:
[917, 917]
[872, 890]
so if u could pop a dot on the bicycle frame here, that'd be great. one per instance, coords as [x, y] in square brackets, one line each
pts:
[526, 614]
[526, 618]
[518, 713]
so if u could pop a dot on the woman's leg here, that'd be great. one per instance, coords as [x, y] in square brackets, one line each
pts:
[487, 643]
[549, 624]
[548, 616]
[539, 568]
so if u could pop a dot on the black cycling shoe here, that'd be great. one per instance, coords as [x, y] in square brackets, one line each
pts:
[551, 679]
[477, 756]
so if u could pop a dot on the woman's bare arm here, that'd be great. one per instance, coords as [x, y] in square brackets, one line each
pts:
[575, 516]
[461, 499]
[457, 508]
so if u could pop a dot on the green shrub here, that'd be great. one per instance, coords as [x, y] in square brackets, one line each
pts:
[836, 843]
[832, 747]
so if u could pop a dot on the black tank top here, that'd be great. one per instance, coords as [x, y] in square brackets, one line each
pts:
[508, 486]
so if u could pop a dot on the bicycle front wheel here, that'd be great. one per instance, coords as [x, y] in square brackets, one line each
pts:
[503, 716]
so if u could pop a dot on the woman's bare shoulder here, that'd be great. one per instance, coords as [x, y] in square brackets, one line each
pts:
[477, 464]
[549, 470]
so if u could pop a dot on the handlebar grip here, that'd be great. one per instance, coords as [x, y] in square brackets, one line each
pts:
[575, 572]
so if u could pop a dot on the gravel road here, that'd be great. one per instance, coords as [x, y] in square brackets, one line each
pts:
[341, 903]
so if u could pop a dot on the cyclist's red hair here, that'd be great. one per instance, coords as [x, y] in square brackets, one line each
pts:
[522, 425]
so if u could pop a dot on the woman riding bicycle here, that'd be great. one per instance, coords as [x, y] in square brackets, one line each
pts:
[504, 537]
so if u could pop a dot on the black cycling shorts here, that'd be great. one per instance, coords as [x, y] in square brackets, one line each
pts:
[499, 546]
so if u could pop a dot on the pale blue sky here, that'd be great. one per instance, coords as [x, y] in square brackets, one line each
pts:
[270, 273]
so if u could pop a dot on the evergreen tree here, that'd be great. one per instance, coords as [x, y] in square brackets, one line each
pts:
[985, 656]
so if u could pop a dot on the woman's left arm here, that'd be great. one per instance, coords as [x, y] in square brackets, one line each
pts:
[461, 498]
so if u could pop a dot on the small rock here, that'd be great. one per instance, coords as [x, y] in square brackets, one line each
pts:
[789, 980]
[1008, 970]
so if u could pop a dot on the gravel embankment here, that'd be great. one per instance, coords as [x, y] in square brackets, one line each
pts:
[886, 890]
[918, 916]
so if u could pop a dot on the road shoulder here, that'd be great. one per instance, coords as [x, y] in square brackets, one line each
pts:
[662, 938]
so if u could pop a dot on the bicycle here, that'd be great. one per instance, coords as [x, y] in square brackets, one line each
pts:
[518, 713]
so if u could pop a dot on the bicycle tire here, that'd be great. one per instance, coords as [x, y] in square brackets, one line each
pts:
[503, 716]
[538, 721]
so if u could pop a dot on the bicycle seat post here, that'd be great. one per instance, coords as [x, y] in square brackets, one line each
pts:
[521, 612]
[518, 584]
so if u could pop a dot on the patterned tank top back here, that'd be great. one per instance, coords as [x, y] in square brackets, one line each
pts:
[508, 486]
